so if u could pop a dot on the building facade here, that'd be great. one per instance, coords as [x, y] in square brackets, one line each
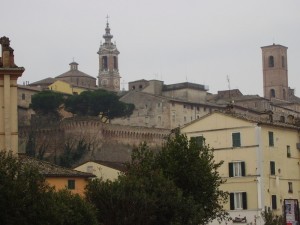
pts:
[165, 106]
[261, 162]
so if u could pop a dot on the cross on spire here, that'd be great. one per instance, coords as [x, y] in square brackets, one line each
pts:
[107, 17]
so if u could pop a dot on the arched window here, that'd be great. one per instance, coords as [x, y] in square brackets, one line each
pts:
[272, 93]
[104, 62]
[271, 61]
[115, 62]
[283, 61]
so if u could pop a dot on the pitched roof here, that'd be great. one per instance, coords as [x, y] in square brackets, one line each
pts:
[47, 81]
[257, 120]
[51, 170]
[114, 165]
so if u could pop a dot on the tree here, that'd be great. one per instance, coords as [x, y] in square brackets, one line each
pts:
[270, 218]
[136, 200]
[98, 103]
[47, 103]
[194, 170]
[26, 199]
[73, 152]
[178, 185]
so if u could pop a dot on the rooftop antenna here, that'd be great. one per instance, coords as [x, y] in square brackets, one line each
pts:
[228, 81]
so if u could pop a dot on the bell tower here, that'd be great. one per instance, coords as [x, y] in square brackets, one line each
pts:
[9, 74]
[275, 72]
[109, 77]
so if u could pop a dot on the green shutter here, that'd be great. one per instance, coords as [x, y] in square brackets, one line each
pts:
[236, 140]
[272, 168]
[231, 201]
[274, 202]
[244, 194]
[230, 165]
[271, 138]
[243, 169]
[198, 140]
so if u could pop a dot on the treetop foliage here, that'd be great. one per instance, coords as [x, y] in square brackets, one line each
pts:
[46, 102]
[98, 103]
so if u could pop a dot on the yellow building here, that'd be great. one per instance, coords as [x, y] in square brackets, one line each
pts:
[102, 169]
[60, 177]
[261, 161]
[65, 87]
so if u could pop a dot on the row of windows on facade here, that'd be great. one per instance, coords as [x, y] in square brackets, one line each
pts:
[236, 141]
[271, 61]
[238, 201]
[105, 63]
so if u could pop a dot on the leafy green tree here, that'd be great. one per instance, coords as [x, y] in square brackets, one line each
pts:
[194, 170]
[136, 200]
[47, 103]
[178, 185]
[26, 199]
[71, 209]
[98, 103]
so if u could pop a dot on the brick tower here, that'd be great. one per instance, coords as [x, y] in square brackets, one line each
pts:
[9, 74]
[275, 72]
[109, 77]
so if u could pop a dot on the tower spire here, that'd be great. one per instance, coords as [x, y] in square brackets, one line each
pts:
[107, 36]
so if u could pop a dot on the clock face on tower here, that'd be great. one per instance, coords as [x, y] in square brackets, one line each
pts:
[104, 82]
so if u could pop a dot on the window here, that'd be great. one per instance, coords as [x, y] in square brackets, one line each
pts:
[288, 151]
[236, 169]
[282, 61]
[271, 61]
[71, 184]
[236, 139]
[199, 140]
[23, 96]
[115, 62]
[274, 202]
[290, 187]
[282, 119]
[272, 93]
[238, 200]
[104, 63]
[272, 168]
[284, 94]
[271, 139]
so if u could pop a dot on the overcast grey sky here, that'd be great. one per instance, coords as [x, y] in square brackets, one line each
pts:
[174, 41]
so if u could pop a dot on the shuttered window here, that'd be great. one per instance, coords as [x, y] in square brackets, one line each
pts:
[272, 168]
[236, 139]
[199, 141]
[271, 139]
[274, 202]
[236, 169]
[238, 200]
